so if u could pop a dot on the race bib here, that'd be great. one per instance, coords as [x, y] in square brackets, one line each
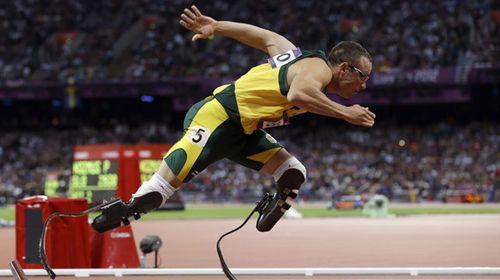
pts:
[199, 135]
[284, 58]
[283, 121]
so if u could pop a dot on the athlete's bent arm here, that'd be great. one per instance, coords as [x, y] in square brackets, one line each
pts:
[206, 27]
[306, 93]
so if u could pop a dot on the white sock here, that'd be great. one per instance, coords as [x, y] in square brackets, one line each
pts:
[156, 184]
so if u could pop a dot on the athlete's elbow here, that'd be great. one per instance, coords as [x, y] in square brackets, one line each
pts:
[296, 99]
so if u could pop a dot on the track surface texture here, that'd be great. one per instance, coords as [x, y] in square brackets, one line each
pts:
[412, 241]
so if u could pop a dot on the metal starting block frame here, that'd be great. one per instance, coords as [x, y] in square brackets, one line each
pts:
[305, 271]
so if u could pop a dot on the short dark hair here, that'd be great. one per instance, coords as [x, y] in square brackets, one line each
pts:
[347, 51]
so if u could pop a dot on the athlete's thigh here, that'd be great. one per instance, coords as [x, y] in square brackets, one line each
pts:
[258, 149]
[208, 137]
[276, 161]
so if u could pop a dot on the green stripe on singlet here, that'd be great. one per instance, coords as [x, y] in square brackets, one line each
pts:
[227, 98]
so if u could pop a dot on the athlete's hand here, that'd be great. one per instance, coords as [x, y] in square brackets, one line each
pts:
[204, 26]
[359, 115]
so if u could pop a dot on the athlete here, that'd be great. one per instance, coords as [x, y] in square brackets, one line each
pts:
[228, 123]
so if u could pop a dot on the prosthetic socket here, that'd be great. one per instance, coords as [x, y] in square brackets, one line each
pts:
[117, 212]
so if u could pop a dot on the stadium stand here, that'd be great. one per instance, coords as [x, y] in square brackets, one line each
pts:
[142, 40]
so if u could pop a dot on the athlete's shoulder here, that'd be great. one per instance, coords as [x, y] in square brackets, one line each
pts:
[313, 62]
[313, 67]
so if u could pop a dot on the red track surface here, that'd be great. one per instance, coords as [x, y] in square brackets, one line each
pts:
[418, 241]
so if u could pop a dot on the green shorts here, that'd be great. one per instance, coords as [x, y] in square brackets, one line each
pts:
[210, 135]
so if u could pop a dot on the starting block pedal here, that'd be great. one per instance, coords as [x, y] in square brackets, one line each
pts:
[17, 270]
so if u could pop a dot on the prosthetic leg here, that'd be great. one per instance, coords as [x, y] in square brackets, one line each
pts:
[150, 195]
[270, 208]
[118, 212]
[288, 189]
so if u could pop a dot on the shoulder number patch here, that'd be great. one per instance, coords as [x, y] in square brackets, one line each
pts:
[284, 58]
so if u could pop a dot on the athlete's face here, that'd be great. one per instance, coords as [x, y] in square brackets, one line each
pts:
[352, 78]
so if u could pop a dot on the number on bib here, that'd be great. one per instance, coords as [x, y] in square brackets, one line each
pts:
[199, 135]
[284, 58]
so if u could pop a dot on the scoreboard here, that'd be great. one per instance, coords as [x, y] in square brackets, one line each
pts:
[91, 177]
[147, 167]
[95, 173]
[102, 172]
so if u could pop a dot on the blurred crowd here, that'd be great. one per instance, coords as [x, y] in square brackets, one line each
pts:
[407, 163]
[141, 39]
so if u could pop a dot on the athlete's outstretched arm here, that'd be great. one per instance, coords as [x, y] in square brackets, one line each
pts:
[206, 27]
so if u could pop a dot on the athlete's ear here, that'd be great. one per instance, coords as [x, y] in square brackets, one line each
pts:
[344, 67]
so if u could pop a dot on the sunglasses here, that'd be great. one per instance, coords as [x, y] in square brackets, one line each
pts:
[362, 76]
